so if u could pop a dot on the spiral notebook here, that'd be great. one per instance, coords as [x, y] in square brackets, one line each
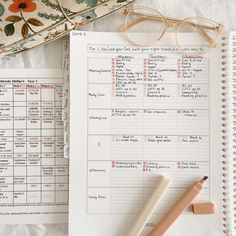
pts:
[140, 112]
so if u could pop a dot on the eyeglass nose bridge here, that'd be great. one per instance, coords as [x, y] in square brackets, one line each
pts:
[172, 23]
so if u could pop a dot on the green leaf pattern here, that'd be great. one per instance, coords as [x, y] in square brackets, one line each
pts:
[88, 2]
[2, 9]
[57, 17]
[91, 2]
[9, 29]
[79, 1]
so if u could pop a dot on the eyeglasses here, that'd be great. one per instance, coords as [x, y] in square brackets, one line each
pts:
[146, 20]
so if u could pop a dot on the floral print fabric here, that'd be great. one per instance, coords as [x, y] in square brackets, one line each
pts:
[27, 23]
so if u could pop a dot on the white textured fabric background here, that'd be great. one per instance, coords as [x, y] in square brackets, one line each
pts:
[49, 56]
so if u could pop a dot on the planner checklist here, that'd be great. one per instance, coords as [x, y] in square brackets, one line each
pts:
[137, 113]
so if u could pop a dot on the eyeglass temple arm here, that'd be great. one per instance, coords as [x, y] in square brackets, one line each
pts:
[171, 20]
[211, 41]
[131, 24]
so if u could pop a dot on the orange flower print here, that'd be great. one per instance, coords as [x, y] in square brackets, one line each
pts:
[22, 6]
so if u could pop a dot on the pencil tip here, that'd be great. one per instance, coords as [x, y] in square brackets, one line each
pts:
[204, 179]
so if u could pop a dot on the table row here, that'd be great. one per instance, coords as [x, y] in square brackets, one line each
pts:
[31, 147]
[53, 133]
[148, 147]
[37, 170]
[31, 123]
[34, 187]
[149, 121]
[22, 197]
[137, 173]
[35, 104]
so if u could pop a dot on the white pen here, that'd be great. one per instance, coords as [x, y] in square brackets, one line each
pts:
[149, 207]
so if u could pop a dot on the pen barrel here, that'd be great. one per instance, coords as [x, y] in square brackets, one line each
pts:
[176, 210]
[149, 207]
[142, 218]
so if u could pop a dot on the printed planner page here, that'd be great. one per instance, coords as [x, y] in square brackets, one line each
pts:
[33, 172]
[137, 113]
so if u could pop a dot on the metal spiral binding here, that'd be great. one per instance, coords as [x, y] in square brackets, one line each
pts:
[233, 70]
[224, 137]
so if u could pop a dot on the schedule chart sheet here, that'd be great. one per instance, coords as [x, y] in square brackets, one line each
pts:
[140, 112]
[143, 120]
[33, 172]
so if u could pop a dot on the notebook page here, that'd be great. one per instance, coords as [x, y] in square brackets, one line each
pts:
[137, 113]
[33, 172]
